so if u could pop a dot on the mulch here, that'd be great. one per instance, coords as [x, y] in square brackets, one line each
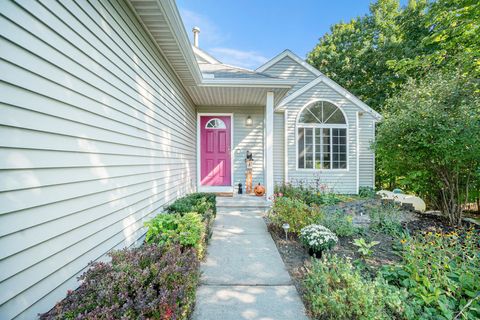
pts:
[297, 260]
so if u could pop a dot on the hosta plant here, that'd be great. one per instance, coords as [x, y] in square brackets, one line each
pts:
[318, 238]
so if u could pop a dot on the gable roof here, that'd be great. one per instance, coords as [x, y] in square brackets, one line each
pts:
[291, 55]
[213, 68]
[335, 86]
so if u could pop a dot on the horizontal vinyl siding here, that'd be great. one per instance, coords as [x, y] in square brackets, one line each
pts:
[367, 155]
[278, 148]
[96, 136]
[289, 69]
[341, 181]
[244, 139]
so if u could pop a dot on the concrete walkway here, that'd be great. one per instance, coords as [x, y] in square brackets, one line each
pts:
[244, 276]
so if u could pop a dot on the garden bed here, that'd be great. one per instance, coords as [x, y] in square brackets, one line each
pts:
[157, 280]
[420, 267]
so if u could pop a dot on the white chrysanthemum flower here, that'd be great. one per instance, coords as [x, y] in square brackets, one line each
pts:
[318, 237]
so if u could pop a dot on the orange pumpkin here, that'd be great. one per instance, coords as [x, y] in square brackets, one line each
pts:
[259, 190]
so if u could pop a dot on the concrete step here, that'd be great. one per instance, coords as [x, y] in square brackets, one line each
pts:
[242, 201]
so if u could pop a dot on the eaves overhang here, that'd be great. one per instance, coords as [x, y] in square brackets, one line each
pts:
[162, 21]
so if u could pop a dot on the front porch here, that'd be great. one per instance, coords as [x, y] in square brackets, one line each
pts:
[248, 128]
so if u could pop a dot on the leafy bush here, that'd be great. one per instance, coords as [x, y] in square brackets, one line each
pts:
[339, 222]
[387, 219]
[366, 192]
[335, 290]
[317, 237]
[292, 211]
[310, 196]
[441, 272]
[364, 248]
[431, 133]
[187, 230]
[195, 202]
[150, 282]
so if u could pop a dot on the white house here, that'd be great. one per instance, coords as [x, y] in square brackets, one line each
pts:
[107, 113]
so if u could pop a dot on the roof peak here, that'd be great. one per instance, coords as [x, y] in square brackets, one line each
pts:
[293, 56]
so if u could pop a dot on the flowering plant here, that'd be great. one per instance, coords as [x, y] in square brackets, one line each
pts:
[317, 237]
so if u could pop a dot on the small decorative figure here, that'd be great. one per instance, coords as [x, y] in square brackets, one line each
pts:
[248, 173]
[240, 190]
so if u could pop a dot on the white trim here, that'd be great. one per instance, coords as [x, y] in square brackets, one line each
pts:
[335, 86]
[357, 124]
[331, 126]
[249, 83]
[293, 56]
[285, 147]
[204, 55]
[269, 107]
[212, 188]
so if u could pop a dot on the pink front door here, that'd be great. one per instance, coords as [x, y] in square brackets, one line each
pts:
[215, 145]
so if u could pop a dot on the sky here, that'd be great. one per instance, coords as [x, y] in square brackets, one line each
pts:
[247, 33]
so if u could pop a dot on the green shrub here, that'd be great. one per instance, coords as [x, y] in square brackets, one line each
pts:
[188, 230]
[150, 282]
[203, 203]
[366, 192]
[387, 219]
[308, 195]
[441, 272]
[335, 290]
[292, 211]
[339, 222]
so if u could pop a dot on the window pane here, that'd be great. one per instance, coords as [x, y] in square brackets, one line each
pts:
[311, 114]
[318, 149]
[339, 149]
[322, 112]
[301, 148]
[308, 148]
[336, 118]
[215, 124]
[328, 110]
[326, 148]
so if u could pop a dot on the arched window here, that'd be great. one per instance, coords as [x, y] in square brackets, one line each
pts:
[215, 124]
[322, 137]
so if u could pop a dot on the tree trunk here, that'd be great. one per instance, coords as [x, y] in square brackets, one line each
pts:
[451, 206]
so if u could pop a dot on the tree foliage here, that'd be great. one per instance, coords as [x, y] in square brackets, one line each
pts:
[431, 131]
[374, 55]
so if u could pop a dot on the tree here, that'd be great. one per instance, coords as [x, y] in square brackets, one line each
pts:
[450, 39]
[431, 133]
[374, 55]
[361, 54]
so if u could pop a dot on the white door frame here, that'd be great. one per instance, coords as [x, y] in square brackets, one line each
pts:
[201, 188]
